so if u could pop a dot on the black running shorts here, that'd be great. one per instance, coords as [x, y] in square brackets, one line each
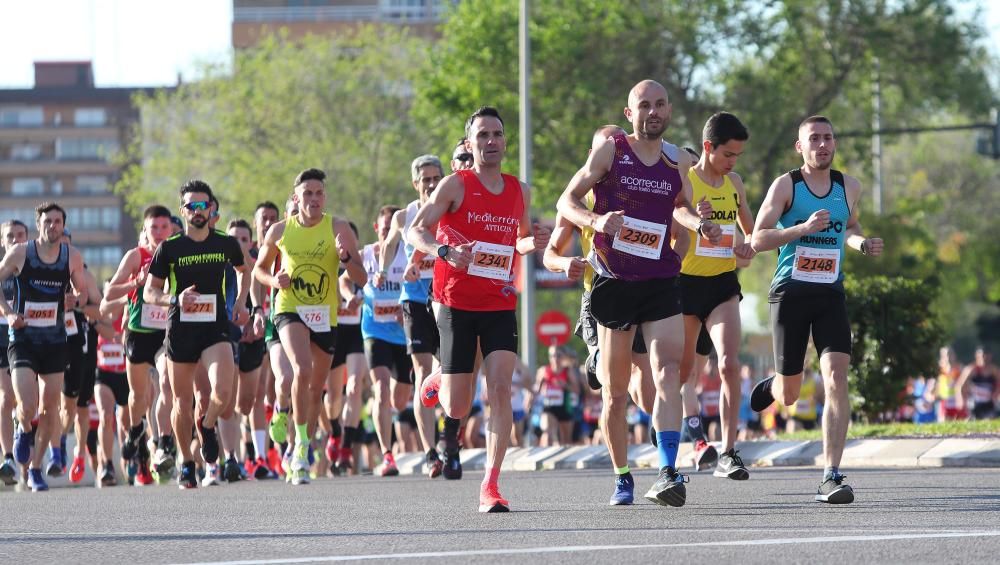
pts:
[349, 341]
[43, 359]
[794, 318]
[186, 342]
[118, 384]
[460, 329]
[394, 357]
[420, 328]
[326, 341]
[141, 347]
[251, 355]
[701, 295]
[586, 328]
[619, 305]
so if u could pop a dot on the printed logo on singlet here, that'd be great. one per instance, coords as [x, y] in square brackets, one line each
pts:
[625, 160]
[310, 284]
[201, 259]
[494, 223]
[835, 226]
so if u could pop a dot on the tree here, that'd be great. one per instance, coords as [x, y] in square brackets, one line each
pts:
[893, 338]
[341, 104]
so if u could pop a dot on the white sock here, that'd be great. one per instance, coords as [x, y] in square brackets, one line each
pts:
[260, 443]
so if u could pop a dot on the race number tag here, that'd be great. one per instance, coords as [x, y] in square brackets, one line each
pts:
[202, 310]
[111, 354]
[491, 260]
[640, 238]
[40, 314]
[69, 319]
[722, 250]
[816, 265]
[317, 318]
[154, 317]
[554, 396]
[427, 268]
[349, 317]
[385, 310]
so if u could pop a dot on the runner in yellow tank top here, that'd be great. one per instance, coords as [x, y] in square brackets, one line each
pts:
[312, 245]
[709, 288]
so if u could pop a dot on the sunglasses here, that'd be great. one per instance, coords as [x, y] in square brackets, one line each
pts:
[464, 157]
[196, 206]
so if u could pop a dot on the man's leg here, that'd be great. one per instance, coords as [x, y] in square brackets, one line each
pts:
[426, 423]
[615, 371]
[837, 407]
[49, 416]
[664, 340]
[182, 415]
[724, 326]
[8, 401]
[284, 378]
[499, 369]
[138, 384]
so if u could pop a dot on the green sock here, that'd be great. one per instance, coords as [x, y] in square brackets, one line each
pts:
[621, 470]
[302, 433]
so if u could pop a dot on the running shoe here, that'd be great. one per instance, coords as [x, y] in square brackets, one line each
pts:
[54, 468]
[669, 489]
[211, 475]
[731, 466]
[231, 471]
[274, 460]
[760, 396]
[131, 470]
[188, 477]
[591, 368]
[23, 442]
[300, 465]
[278, 429]
[108, 476]
[8, 472]
[36, 482]
[388, 466]
[434, 465]
[62, 450]
[261, 470]
[452, 465]
[491, 501]
[705, 455]
[834, 491]
[163, 462]
[131, 444]
[429, 389]
[332, 448]
[143, 477]
[345, 460]
[624, 490]
[209, 442]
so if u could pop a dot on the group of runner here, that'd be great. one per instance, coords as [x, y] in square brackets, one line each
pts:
[183, 330]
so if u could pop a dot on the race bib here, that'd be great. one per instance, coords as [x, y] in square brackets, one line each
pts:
[553, 396]
[202, 310]
[349, 317]
[491, 260]
[41, 314]
[69, 319]
[111, 354]
[154, 317]
[385, 310]
[640, 238]
[723, 250]
[427, 268]
[317, 317]
[816, 265]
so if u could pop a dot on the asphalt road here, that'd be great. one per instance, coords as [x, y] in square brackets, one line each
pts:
[911, 515]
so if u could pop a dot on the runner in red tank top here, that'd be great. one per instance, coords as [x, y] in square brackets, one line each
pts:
[483, 222]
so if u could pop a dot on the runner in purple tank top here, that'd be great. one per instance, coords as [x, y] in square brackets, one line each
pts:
[639, 189]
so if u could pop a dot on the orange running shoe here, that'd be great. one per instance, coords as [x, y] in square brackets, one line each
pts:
[429, 389]
[77, 469]
[491, 501]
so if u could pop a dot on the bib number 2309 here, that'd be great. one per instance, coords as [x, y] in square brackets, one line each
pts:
[640, 238]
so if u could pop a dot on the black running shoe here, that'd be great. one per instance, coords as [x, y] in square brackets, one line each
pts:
[209, 442]
[669, 489]
[231, 472]
[108, 476]
[761, 397]
[731, 466]
[834, 491]
[187, 478]
[452, 465]
[130, 447]
[591, 368]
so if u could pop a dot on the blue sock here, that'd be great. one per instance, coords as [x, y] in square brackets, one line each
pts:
[667, 443]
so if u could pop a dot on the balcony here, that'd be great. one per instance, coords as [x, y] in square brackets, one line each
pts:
[411, 14]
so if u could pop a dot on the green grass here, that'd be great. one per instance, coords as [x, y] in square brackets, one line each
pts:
[979, 428]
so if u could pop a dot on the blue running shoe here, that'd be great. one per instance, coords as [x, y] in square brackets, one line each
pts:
[312, 455]
[624, 490]
[62, 451]
[23, 442]
[54, 468]
[36, 482]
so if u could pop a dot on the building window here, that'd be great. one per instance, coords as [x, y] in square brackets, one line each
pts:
[90, 117]
[31, 116]
[110, 218]
[27, 187]
[26, 151]
[85, 148]
[57, 187]
[92, 184]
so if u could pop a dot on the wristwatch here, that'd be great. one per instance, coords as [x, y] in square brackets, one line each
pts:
[443, 251]
[173, 300]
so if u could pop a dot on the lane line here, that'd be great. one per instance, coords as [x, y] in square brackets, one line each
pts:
[585, 548]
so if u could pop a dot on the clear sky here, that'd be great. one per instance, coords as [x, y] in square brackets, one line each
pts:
[148, 42]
